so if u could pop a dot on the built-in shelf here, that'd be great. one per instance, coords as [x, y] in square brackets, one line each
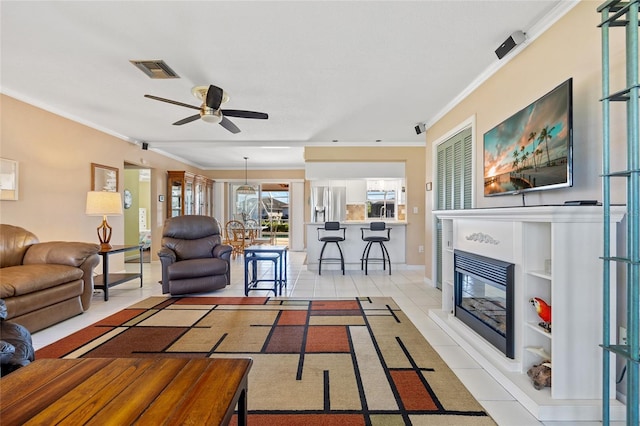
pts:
[535, 327]
[540, 274]
[556, 258]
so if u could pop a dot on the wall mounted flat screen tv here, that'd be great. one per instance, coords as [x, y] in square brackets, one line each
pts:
[532, 149]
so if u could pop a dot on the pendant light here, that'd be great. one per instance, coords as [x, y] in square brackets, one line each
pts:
[246, 188]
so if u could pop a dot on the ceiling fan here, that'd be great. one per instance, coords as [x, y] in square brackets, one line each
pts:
[212, 97]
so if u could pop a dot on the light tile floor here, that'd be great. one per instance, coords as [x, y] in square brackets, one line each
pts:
[406, 285]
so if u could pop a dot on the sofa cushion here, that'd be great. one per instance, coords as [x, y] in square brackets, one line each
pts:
[43, 308]
[192, 249]
[197, 268]
[25, 279]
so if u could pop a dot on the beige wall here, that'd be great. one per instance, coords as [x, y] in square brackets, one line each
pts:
[55, 156]
[570, 48]
[415, 172]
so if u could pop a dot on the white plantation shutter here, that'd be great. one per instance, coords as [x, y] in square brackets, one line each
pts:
[468, 177]
[454, 182]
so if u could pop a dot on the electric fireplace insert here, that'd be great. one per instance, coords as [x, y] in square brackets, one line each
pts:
[483, 289]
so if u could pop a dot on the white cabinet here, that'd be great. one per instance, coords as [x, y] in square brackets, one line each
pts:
[356, 191]
[556, 252]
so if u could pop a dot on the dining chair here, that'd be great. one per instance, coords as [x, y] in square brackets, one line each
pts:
[254, 230]
[236, 237]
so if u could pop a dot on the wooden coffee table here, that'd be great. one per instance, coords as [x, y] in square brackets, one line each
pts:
[126, 390]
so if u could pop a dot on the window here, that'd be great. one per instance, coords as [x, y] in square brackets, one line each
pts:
[381, 199]
[269, 206]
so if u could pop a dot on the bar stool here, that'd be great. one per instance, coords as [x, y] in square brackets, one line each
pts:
[377, 232]
[332, 232]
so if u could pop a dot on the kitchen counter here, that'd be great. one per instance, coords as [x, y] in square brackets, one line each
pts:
[363, 223]
[353, 246]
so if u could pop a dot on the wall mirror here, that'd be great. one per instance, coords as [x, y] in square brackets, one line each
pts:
[104, 178]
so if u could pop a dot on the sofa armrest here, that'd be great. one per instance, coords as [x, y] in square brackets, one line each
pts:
[81, 255]
[88, 267]
[222, 251]
[60, 252]
[167, 257]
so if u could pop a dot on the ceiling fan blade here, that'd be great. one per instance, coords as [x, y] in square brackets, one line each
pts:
[214, 97]
[227, 124]
[245, 114]
[187, 120]
[169, 101]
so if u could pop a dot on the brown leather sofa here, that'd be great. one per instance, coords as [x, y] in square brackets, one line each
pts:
[193, 257]
[44, 283]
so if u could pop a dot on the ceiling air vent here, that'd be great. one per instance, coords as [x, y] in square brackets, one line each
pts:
[155, 69]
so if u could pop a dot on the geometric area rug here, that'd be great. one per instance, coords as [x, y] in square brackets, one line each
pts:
[357, 361]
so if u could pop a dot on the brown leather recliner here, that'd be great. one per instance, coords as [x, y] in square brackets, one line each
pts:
[193, 257]
[44, 283]
[16, 346]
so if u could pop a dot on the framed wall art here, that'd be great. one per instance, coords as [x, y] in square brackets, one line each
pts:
[8, 179]
[104, 178]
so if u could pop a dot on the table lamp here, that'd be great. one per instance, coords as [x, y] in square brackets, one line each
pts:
[104, 203]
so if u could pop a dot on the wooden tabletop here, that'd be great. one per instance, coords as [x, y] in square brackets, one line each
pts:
[126, 391]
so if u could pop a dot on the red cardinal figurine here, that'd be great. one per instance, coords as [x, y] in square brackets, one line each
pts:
[544, 311]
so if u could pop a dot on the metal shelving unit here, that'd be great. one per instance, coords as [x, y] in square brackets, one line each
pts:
[622, 14]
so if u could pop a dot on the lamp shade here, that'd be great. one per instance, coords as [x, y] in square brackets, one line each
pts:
[246, 189]
[104, 203]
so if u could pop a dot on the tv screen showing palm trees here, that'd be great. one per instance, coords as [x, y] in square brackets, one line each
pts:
[531, 150]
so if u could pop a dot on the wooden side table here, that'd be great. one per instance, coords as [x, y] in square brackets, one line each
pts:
[106, 280]
[126, 391]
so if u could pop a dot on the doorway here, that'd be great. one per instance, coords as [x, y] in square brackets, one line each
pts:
[137, 211]
[268, 205]
[274, 198]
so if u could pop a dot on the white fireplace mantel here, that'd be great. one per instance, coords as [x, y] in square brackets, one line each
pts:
[555, 213]
[557, 253]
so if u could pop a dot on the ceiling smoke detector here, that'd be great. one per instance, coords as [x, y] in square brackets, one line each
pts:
[156, 69]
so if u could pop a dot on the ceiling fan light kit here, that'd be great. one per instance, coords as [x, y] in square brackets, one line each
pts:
[210, 116]
[212, 97]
